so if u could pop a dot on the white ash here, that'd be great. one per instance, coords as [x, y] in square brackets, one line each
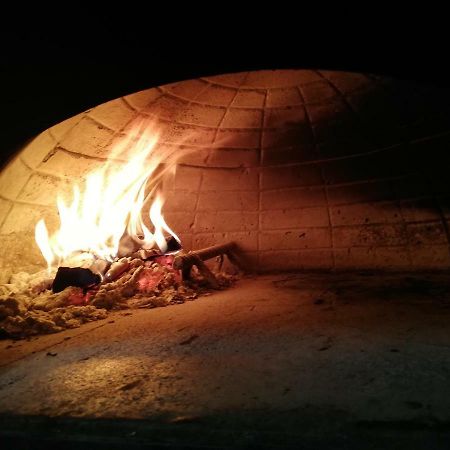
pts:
[23, 281]
[24, 313]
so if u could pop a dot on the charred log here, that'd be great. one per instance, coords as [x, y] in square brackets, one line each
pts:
[173, 245]
[78, 277]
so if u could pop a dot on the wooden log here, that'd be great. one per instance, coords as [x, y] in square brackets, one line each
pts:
[185, 261]
[117, 268]
[78, 277]
[130, 246]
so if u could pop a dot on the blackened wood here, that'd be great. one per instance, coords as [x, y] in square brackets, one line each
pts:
[77, 276]
[172, 244]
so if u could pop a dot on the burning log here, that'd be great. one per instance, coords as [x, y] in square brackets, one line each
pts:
[87, 277]
[99, 266]
[185, 261]
[117, 268]
[145, 254]
[132, 247]
[128, 245]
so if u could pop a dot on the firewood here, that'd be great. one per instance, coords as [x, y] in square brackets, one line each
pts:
[78, 277]
[172, 245]
[185, 261]
[117, 268]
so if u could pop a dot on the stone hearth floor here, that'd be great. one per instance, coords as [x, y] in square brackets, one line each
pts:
[276, 361]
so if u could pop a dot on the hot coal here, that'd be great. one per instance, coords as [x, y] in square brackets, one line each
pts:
[77, 277]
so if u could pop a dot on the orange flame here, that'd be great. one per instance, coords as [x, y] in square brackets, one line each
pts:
[111, 204]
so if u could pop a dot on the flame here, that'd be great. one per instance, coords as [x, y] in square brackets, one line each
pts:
[160, 224]
[41, 236]
[109, 205]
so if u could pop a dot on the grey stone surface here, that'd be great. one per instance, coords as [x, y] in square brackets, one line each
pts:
[314, 355]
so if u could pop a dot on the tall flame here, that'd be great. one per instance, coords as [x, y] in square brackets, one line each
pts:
[111, 203]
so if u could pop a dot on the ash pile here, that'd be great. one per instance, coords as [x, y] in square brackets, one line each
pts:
[44, 302]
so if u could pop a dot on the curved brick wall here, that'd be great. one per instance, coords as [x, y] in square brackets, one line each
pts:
[306, 169]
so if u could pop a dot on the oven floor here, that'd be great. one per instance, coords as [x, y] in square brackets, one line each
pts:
[276, 361]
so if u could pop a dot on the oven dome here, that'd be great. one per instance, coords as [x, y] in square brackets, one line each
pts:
[305, 169]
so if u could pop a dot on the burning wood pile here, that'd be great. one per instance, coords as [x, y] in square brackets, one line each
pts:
[36, 304]
[104, 255]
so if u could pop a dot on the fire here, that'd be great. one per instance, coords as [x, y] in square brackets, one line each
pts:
[109, 204]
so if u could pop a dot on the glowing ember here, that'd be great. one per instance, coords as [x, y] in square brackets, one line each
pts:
[109, 205]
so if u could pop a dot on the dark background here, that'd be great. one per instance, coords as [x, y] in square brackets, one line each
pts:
[49, 73]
